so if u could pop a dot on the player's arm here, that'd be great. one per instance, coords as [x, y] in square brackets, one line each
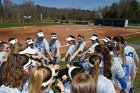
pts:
[76, 53]
[49, 53]
[66, 55]
[58, 49]
[84, 53]
[48, 49]
[136, 59]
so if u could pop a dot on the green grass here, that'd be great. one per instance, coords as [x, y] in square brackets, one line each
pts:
[137, 80]
[134, 24]
[6, 25]
[134, 39]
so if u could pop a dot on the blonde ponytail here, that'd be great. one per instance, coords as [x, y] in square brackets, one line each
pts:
[36, 79]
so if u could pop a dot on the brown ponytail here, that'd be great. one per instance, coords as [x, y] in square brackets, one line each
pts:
[122, 53]
[106, 59]
[95, 61]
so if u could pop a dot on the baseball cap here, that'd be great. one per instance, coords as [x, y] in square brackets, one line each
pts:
[40, 34]
[29, 41]
[70, 37]
[94, 37]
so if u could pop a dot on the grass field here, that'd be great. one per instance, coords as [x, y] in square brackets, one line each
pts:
[58, 29]
[136, 40]
[134, 24]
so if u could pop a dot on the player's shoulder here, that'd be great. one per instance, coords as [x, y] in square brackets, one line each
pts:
[128, 47]
[57, 41]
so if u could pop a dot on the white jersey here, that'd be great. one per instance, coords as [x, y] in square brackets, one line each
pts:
[105, 85]
[117, 59]
[2, 54]
[92, 48]
[128, 67]
[130, 51]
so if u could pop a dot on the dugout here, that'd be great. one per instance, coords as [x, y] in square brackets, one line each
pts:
[110, 22]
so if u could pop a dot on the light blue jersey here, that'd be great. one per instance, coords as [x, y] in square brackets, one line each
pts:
[82, 48]
[4, 89]
[54, 45]
[71, 50]
[42, 46]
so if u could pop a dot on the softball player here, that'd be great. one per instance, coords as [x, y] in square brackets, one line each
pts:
[103, 85]
[130, 51]
[95, 42]
[70, 50]
[42, 45]
[112, 70]
[127, 62]
[55, 48]
[80, 48]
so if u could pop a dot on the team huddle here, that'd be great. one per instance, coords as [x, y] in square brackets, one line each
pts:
[34, 67]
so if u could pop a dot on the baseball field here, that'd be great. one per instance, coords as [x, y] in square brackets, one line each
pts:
[21, 33]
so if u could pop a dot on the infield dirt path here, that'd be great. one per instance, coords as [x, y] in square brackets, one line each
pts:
[63, 31]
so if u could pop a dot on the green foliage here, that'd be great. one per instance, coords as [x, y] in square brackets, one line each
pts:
[134, 5]
[123, 9]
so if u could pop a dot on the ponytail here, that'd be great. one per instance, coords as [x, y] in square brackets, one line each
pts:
[35, 83]
[106, 59]
[123, 53]
[38, 76]
[95, 60]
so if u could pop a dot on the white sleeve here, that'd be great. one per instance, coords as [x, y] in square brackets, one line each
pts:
[91, 49]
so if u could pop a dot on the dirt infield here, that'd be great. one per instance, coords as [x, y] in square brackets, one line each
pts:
[63, 31]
